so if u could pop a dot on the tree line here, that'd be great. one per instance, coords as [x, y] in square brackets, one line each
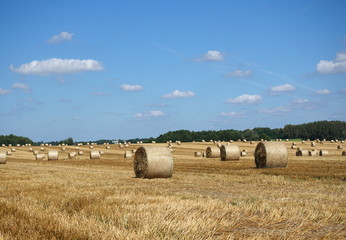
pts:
[315, 130]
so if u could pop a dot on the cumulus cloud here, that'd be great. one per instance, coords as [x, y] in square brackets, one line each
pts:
[179, 94]
[57, 65]
[245, 99]
[131, 88]
[277, 110]
[300, 101]
[281, 89]
[150, 114]
[4, 91]
[211, 55]
[239, 73]
[232, 114]
[63, 36]
[338, 65]
[21, 86]
[323, 92]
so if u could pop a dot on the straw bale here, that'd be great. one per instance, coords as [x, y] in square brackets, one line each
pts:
[3, 156]
[339, 147]
[42, 148]
[108, 147]
[198, 154]
[35, 152]
[313, 153]
[271, 155]
[323, 152]
[53, 155]
[293, 146]
[91, 147]
[101, 152]
[153, 162]
[213, 152]
[63, 149]
[40, 156]
[95, 155]
[128, 154]
[229, 152]
[72, 155]
[30, 149]
[243, 154]
[13, 149]
[343, 153]
[9, 153]
[313, 144]
[302, 152]
[80, 153]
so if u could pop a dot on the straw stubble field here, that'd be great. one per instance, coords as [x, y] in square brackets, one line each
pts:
[205, 198]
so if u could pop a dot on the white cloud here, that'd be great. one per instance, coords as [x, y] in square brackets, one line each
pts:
[338, 65]
[57, 65]
[343, 90]
[22, 86]
[4, 91]
[150, 114]
[281, 89]
[179, 94]
[63, 36]
[211, 55]
[300, 101]
[133, 88]
[277, 110]
[239, 73]
[232, 114]
[245, 99]
[323, 92]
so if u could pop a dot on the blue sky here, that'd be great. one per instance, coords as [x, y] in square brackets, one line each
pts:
[124, 69]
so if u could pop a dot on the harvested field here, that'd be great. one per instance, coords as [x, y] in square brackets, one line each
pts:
[205, 198]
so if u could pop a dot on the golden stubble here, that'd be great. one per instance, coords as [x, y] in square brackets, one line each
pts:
[205, 199]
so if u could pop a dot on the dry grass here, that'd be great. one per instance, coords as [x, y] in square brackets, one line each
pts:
[205, 199]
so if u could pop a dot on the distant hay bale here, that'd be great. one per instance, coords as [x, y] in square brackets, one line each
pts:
[91, 147]
[219, 145]
[30, 149]
[204, 154]
[35, 152]
[3, 145]
[72, 155]
[153, 162]
[80, 153]
[101, 152]
[108, 147]
[252, 142]
[53, 155]
[243, 154]
[313, 144]
[128, 154]
[133, 150]
[63, 149]
[198, 154]
[339, 147]
[213, 152]
[302, 152]
[3, 156]
[13, 149]
[313, 153]
[9, 153]
[178, 142]
[293, 147]
[95, 155]
[39, 156]
[271, 155]
[323, 152]
[42, 148]
[343, 153]
[76, 148]
[229, 152]
[153, 142]
[303, 142]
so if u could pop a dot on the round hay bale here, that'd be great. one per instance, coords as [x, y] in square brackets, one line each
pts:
[343, 153]
[91, 147]
[302, 152]
[243, 154]
[323, 152]
[101, 152]
[3, 156]
[80, 153]
[63, 149]
[133, 151]
[252, 142]
[95, 155]
[339, 147]
[128, 154]
[204, 154]
[72, 155]
[31, 150]
[53, 155]
[13, 149]
[313, 153]
[229, 152]
[108, 147]
[9, 153]
[213, 152]
[313, 144]
[153, 162]
[42, 148]
[271, 155]
[219, 145]
[293, 147]
[198, 154]
[39, 156]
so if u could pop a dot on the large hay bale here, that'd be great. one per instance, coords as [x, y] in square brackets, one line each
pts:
[271, 155]
[213, 152]
[153, 162]
[323, 152]
[229, 152]
[39, 156]
[95, 155]
[128, 154]
[53, 155]
[3, 156]
[302, 152]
